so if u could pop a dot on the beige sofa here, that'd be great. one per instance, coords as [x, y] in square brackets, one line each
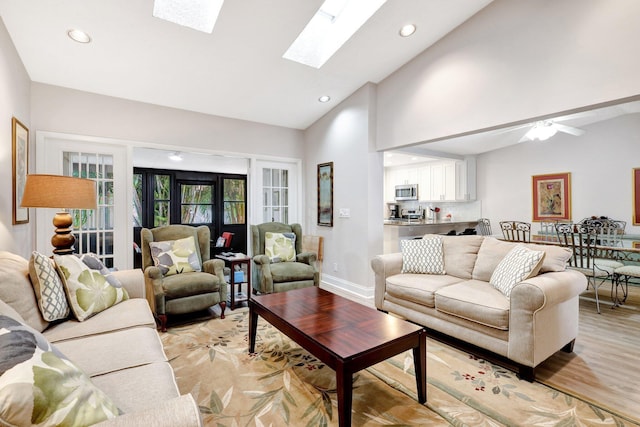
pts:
[119, 349]
[539, 318]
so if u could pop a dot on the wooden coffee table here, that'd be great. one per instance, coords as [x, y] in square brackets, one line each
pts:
[343, 334]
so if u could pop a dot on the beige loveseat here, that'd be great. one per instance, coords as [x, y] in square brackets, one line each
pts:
[539, 317]
[118, 349]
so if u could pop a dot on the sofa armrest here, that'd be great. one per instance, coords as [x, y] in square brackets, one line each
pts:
[544, 315]
[132, 280]
[178, 412]
[384, 266]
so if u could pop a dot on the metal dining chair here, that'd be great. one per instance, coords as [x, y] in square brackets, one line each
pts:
[484, 227]
[516, 231]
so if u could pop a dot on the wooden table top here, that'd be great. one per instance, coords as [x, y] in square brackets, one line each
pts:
[346, 328]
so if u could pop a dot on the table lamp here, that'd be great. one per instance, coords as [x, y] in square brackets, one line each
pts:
[63, 192]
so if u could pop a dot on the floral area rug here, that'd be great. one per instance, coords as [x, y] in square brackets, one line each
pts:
[282, 384]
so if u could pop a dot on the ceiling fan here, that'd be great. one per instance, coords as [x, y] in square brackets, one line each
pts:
[545, 129]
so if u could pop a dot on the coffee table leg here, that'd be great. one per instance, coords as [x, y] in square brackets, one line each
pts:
[253, 326]
[344, 388]
[420, 367]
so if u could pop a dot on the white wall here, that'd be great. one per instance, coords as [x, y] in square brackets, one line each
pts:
[345, 137]
[600, 162]
[514, 60]
[14, 102]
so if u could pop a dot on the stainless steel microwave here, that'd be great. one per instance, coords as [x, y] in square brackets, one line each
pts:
[407, 192]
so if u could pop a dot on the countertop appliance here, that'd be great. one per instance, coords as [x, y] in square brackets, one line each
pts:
[407, 192]
[394, 211]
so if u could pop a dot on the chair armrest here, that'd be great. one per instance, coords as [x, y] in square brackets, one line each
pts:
[132, 280]
[178, 412]
[154, 290]
[215, 267]
[307, 257]
[384, 266]
[261, 259]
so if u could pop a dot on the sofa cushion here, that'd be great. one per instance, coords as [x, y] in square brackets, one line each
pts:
[48, 288]
[418, 288]
[460, 253]
[38, 385]
[114, 351]
[128, 314]
[474, 300]
[88, 291]
[185, 285]
[519, 264]
[280, 247]
[176, 256]
[291, 272]
[555, 257]
[422, 255]
[16, 289]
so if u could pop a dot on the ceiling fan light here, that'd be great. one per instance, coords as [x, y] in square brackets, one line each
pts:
[542, 131]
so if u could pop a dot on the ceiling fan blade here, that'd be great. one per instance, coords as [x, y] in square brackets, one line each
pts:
[526, 136]
[568, 129]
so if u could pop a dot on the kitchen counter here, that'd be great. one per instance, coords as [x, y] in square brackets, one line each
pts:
[402, 229]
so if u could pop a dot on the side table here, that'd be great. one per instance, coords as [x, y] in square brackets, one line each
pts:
[231, 261]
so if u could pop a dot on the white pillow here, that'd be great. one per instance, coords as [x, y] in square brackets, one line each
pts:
[422, 256]
[518, 265]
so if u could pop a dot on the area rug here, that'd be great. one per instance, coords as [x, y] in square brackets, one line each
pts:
[282, 384]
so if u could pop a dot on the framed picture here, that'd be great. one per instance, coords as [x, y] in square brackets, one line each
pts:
[552, 197]
[636, 196]
[325, 194]
[20, 152]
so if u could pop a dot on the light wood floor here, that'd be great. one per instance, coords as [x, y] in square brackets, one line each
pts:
[605, 364]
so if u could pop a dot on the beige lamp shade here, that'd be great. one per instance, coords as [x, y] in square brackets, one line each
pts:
[56, 191]
[63, 192]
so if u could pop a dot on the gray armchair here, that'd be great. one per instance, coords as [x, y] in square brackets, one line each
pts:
[182, 292]
[269, 276]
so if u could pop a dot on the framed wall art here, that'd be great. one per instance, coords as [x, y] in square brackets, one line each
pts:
[636, 196]
[552, 197]
[325, 194]
[20, 153]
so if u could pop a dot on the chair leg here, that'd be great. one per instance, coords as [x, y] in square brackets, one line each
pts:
[163, 322]
[223, 305]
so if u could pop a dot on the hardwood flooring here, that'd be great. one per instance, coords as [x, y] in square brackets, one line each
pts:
[604, 366]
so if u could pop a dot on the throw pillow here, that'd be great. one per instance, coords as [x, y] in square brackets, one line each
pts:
[92, 261]
[88, 291]
[48, 288]
[423, 256]
[280, 246]
[518, 265]
[176, 256]
[39, 386]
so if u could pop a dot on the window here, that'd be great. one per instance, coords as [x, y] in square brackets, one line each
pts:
[196, 204]
[275, 195]
[161, 200]
[234, 201]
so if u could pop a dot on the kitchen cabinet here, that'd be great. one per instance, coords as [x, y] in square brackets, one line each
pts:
[466, 179]
[443, 181]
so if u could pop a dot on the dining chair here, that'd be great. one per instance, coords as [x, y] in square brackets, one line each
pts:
[581, 239]
[516, 231]
[484, 227]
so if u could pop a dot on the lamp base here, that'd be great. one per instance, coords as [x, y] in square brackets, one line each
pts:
[64, 239]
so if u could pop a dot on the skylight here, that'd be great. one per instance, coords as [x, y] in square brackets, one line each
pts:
[200, 15]
[332, 25]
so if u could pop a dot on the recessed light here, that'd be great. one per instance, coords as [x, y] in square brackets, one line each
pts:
[79, 36]
[324, 98]
[407, 30]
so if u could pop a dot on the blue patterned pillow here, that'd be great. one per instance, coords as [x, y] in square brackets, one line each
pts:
[423, 256]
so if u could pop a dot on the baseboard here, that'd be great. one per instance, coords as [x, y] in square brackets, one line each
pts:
[347, 289]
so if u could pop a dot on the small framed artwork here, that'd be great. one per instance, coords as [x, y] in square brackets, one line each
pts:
[636, 196]
[325, 194]
[20, 152]
[552, 197]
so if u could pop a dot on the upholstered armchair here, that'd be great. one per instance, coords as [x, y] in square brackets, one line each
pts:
[271, 272]
[179, 276]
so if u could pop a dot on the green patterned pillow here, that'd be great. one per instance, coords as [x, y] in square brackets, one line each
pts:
[176, 256]
[280, 246]
[88, 291]
[39, 386]
[47, 285]
[93, 262]
[519, 264]
[423, 256]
